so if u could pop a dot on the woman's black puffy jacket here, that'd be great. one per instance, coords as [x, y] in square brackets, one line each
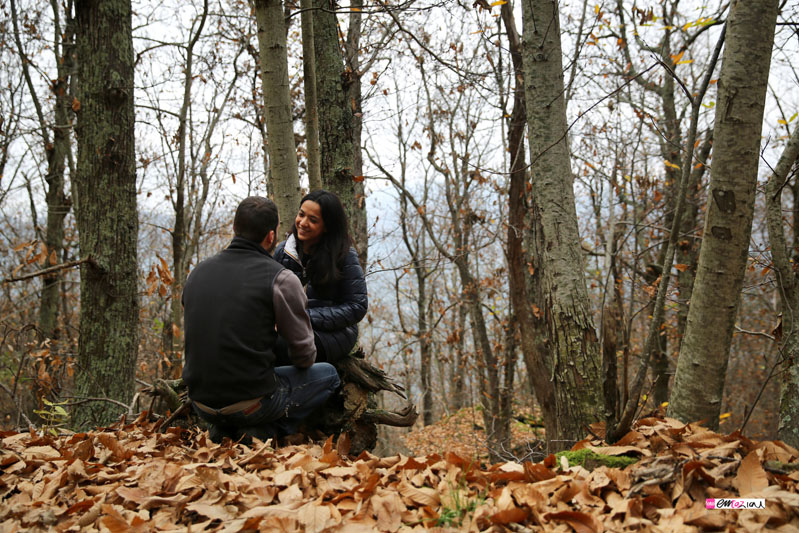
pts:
[336, 308]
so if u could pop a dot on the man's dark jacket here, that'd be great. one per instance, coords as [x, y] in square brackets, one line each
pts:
[230, 326]
[336, 308]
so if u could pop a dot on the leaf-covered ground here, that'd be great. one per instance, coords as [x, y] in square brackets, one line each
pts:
[133, 478]
[462, 433]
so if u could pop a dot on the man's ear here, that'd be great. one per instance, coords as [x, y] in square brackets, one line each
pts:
[269, 240]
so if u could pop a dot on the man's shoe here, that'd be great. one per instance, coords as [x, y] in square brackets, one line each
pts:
[218, 433]
[262, 433]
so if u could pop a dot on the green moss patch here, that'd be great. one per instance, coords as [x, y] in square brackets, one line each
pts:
[589, 459]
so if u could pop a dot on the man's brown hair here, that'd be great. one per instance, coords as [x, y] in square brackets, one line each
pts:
[255, 217]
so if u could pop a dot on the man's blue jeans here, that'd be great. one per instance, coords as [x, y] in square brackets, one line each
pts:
[299, 392]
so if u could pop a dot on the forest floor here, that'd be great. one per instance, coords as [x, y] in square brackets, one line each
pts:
[132, 478]
[462, 433]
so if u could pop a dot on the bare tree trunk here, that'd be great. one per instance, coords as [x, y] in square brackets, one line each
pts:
[531, 328]
[425, 346]
[311, 108]
[355, 97]
[687, 253]
[336, 122]
[172, 326]
[57, 152]
[105, 193]
[699, 379]
[573, 358]
[459, 363]
[284, 172]
[784, 267]
[417, 250]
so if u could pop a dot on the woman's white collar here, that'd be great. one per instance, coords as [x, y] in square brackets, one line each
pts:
[291, 248]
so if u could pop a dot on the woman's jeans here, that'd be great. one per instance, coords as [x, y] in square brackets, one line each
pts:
[299, 392]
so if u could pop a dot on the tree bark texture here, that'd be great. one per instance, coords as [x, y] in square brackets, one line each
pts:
[699, 379]
[531, 328]
[355, 95]
[687, 252]
[284, 172]
[573, 348]
[788, 283]
[311, 108]
[425, 346]
[105, 192]
[336, 121]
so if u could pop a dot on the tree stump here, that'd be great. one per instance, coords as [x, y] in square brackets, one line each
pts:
[351, 410]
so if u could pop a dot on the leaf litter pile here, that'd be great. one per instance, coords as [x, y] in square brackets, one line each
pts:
[134, 478]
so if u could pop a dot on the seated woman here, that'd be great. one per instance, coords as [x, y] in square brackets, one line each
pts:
[319, 251]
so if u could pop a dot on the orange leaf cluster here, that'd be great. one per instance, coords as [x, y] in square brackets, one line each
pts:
[133, 478]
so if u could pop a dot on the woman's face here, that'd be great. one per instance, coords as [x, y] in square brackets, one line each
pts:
[309, 223]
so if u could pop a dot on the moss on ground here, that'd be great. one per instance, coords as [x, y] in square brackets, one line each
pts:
[589, 459]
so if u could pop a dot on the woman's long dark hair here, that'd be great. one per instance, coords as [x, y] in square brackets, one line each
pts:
[324, 265]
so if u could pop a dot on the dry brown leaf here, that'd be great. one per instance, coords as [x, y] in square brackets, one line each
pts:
[114, 520]
[585, 498]
[314, 517]
[291, 494]
[581, 522]
[504, 500]
[619, 450]
[706, 519]
[751, 477]
[510, 516]
[287, 477]
[41, 452]
[776, 451]
[214, 512]
[527, 494]
[419, 496]
[388, 508]
[343, 444]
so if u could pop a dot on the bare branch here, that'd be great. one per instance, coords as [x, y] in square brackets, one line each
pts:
[50, 270]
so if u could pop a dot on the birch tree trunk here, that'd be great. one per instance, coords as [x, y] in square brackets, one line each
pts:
[699, 379]
[789, 294]
[573, 359]
[105, 209]
[284, 173]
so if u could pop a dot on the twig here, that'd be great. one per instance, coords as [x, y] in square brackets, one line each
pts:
[756, 333]
[82, 400]
[143, 383]
[179, 411]
[778, 362]
[133, 403]
[589, 430]
[50, 270]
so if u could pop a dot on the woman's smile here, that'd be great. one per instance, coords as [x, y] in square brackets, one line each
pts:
[309, 223]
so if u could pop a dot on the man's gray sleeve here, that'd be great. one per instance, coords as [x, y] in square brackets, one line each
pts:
[292, 320]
